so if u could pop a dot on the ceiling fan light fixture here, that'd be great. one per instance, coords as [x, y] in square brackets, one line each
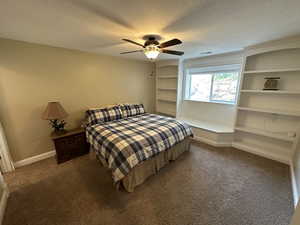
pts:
[151, 51]
[152, 47]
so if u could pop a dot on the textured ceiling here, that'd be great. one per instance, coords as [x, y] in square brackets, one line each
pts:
[98, 25]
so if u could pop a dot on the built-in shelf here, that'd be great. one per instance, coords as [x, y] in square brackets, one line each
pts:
[279, 92]
[167, 89]
[276, 135]
[167, 77]
[263, 114]
[166, 100]
[278, 154]
[272, 70]
[169, 64]
[272, 111]
[169, 113]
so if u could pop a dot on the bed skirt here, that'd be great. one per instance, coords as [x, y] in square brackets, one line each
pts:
[150, 167]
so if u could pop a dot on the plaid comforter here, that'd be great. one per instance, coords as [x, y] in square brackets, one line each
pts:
[127, 142]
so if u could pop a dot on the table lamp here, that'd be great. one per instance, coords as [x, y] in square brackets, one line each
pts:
[55, 113]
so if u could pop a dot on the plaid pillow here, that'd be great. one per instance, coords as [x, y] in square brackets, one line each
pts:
[95, 116]
[132, 109]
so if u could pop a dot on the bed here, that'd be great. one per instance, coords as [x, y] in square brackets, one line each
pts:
[133, 144]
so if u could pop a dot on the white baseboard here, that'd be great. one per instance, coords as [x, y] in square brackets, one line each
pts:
[212, 142]
[225, 144]
[49, 154]
[294, 185]
[3, 203]
[34, 159]
[260, 152]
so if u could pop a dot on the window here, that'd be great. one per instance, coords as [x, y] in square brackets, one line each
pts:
[218, 84]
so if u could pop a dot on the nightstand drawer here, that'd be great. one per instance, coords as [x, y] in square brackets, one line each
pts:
[70, 141]
[70, 146]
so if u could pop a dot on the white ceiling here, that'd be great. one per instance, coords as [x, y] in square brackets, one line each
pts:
[99, 25]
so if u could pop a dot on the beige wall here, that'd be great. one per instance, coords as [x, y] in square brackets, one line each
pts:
[32, 75]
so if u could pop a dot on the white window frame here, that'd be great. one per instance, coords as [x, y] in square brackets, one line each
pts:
[206, 70]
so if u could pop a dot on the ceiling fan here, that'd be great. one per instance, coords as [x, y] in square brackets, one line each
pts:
[152, 47]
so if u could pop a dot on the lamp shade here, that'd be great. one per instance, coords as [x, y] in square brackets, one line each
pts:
[54, 111]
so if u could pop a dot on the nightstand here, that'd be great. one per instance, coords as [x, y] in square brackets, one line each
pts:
[70, 144]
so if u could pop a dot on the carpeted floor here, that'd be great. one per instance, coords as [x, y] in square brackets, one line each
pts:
[205, 186]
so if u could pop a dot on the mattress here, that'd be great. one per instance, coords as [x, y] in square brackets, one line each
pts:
[123, 144]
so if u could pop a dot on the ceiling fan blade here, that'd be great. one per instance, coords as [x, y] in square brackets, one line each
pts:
[172, 52]
[131, 52]
[133, 42]
[170, 43]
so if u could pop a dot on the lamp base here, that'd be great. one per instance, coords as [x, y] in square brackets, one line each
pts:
[59, 132]
[58, 126]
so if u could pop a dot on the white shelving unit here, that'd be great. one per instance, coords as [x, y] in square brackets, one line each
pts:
[281, 136]
[274, 153]
[168, 113]
[281, 92]
[167, 76]
[166, 100]
[271, 111]
[166, 88]
[267, 121]
[272, 70]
